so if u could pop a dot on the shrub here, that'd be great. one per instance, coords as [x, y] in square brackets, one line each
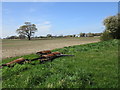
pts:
[106, 36]
[112, 25]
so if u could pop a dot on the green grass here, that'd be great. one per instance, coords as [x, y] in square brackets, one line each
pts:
[93, 66]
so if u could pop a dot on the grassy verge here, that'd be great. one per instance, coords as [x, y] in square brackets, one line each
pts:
[94, 65]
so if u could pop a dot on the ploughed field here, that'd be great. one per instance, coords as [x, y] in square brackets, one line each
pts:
[12, 48]
[94, 65]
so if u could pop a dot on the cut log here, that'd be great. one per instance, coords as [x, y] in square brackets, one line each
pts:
[45, 56]
[43, 52]
[48, 55]
[19, 60]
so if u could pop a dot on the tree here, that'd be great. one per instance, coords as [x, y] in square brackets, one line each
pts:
[97, 34]
[28, 30]
[112, 25]
[74, 35]
[60, 36]
[82, 34]
[105, 36]
[49, 35]
[12, 37]
[90, 34]
[22, 36]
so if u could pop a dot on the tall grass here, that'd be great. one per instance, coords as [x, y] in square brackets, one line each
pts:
[93, 66]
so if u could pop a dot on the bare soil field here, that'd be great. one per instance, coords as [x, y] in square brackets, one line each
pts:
[12, 48]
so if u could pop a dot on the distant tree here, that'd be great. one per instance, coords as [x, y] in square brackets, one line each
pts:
[69, 35]
[28, 30]
[36, 37]
[90, 34]
[82, 34]
[49, 35]
[41, 36]
[97, 34]
[12, 37]
[60, 36]
[74, 35]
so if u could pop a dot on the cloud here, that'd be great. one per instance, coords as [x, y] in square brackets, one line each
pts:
[44, 28]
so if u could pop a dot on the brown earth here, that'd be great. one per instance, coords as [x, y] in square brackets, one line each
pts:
[12, 48]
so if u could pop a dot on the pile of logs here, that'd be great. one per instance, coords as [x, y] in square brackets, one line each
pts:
[46, 55]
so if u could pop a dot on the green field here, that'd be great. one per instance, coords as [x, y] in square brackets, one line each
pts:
[94, 65]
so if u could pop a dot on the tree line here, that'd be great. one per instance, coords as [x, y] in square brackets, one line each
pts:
[55, 36]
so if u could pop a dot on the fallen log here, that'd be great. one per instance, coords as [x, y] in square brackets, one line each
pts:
[43, 52]
[53, 55]
[19, 61]
[44, 57]
[48, 55]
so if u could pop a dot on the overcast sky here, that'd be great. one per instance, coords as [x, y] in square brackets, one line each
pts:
[57, 18]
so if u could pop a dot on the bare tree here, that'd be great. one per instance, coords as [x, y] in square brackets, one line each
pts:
[28, 30]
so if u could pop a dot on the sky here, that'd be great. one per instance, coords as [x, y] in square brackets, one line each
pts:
[56, 18]
[60, 0]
